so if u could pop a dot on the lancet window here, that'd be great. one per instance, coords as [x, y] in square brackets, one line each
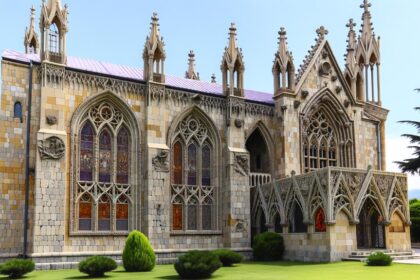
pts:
[103, 189]
[193, 187]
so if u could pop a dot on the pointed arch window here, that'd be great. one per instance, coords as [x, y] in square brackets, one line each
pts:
[296, 224]
[319, 143]
[53, 39]
[17, 110]
[102, 189]
[320, 225]
[194, 203]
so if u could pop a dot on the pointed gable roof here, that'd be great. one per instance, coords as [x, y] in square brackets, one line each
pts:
[316, 51]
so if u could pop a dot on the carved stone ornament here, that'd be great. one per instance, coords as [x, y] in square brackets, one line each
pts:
[51, 120]
[325, 69]
[240, 226]
[161, 161]
[51, 148]
[241, 164]
[238, 123]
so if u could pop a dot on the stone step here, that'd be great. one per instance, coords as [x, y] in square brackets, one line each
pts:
[61, 265]
[394, 256]
[387, 252]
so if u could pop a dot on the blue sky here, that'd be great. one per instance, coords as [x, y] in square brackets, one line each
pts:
[115, 31]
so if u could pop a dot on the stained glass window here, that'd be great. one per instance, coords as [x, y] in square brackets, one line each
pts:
[320, 221]
[103, 168]
[192, 164]
[205, 166]
[85, 213]
[105, 156]
[122, 213]
[104, 214]
[122, 156]
[86, 152]
[177, 168]
[193, 192]
[177, 216]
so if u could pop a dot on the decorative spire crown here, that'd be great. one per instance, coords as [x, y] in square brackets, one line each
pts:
[191, 73]
[213, 78]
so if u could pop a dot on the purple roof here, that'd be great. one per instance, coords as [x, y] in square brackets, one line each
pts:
[132, 73]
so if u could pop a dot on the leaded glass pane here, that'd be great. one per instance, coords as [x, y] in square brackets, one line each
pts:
[205, 166]
[122, 156]
[192, 164]
[206, 216]
[177, 216]
[104, 214]
[192, 216]
[86, 152]
[85, 215]
[17, 110]
[177, 166]
[105, 156]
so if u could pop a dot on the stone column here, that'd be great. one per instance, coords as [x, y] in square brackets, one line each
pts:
[155, 198]
[236, 213]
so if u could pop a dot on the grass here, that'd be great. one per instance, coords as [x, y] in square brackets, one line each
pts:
[255, 271]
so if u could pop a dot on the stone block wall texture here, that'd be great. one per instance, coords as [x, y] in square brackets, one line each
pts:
[51, 210]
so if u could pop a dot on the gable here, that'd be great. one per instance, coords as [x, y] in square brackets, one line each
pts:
[323, 71]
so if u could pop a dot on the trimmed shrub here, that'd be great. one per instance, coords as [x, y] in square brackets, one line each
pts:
[379, 259]
[197, 264]
[268, 246]
[16, 268]
[96, 266]
[138, 254]
[228, 257]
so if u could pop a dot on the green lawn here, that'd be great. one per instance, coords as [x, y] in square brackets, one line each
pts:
[253, 271]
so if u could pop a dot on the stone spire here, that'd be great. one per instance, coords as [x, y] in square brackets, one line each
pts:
[233, 66]
[53, 26]
[283, 67]
[351, 46]
[154, 53]
[31, 41]
[191, 73]
[368, 56]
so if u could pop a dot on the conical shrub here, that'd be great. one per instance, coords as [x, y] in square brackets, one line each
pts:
[138, 254]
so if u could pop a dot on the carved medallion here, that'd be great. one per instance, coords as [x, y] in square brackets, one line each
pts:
[51, 148]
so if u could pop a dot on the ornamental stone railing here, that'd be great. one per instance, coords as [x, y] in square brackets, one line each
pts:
[256, 179]
[334, 189]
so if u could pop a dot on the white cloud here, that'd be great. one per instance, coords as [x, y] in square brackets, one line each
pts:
[396, 150]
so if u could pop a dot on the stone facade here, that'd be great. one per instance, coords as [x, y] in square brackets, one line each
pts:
[221, 190]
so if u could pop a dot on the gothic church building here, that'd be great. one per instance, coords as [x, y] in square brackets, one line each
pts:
[91, 150]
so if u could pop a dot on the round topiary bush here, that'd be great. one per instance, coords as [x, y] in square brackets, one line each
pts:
[96, 266]
[197, 264]
[138, 254]
[228, 257]
[16, 268]
[379, 259]
[268, 246]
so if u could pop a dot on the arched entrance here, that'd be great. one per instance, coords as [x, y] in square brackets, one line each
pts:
[260, 166]
[370, 230]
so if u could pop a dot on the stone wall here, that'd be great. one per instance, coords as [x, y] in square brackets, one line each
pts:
[342, 237]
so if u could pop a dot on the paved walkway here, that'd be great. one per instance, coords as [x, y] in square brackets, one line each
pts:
[415, 261]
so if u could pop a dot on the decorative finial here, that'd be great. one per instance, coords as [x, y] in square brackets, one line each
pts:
[321, 31]
[366, 5]
[282, 32]
[351, 24]
[213, 78]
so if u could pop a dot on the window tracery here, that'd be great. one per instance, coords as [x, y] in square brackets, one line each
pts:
[319, 143]
[102, 193]
[193, 187]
